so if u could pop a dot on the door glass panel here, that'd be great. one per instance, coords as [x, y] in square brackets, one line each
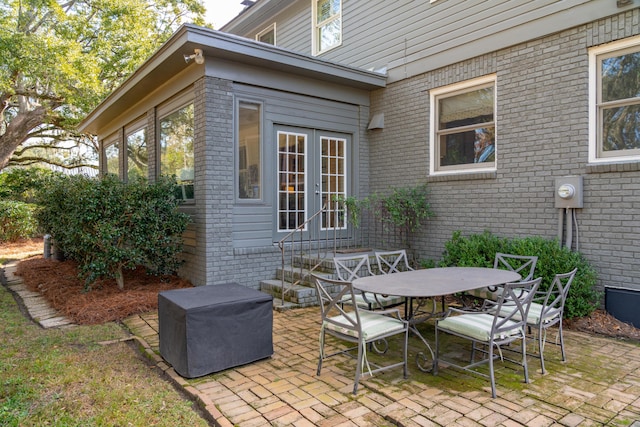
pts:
[291, 180]
[334, 182]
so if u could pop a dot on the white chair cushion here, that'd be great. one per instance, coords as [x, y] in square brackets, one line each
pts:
[476, 326]
[373, 325]
[535, 312]
[385, 301]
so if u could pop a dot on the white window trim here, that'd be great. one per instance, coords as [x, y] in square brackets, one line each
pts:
[278, 170]
[314, 29]
[593, 100]
[271, 27]
[433, 94]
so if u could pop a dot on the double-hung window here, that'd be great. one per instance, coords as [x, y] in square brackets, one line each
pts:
[463, 127]
[614, 102]
[176, 125]
[327, 25]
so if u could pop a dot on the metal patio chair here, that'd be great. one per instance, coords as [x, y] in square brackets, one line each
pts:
[351, 323]
[547, 309]
[496, 324]
[349, 268]
[523, 264]
[392, 261]
[397, 261]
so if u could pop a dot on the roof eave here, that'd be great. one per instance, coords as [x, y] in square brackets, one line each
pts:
[169, 61]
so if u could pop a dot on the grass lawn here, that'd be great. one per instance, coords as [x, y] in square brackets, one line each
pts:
[65, 377]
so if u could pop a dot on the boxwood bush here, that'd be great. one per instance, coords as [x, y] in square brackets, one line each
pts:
[479, 250]
[108, 226]
[17, 221]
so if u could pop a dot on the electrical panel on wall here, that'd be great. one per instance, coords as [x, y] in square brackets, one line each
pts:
[568, 192]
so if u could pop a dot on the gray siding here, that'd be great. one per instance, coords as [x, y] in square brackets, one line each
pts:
[291, 26]
[253, 223]
[542, 134]
[409, 37]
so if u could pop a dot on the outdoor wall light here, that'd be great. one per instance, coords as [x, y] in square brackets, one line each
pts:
[196, 56]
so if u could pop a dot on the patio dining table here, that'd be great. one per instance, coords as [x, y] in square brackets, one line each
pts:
[418, 285]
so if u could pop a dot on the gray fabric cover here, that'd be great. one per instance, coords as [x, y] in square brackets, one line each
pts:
[211, 328]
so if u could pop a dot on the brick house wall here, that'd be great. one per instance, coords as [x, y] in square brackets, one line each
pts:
[542, 133]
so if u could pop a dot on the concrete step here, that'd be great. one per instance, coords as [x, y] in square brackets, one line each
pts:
[303, 275]
[298, 295]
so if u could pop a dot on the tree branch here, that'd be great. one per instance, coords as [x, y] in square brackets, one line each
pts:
[26, 161]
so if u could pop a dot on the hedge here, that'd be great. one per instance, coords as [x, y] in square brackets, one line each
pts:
[479, 250]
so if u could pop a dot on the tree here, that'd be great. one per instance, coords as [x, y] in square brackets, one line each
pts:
[59, 58]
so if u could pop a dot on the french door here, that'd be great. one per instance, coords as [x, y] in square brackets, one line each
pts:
[312, 173]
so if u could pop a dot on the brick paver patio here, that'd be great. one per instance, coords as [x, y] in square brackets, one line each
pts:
[599, 385]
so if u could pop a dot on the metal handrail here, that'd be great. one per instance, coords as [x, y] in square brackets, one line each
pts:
[298, 232]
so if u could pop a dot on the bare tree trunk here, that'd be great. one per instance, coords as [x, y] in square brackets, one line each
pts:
[120, 279]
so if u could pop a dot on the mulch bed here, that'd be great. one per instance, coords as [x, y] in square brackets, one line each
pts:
[602, 323]
[59, 283]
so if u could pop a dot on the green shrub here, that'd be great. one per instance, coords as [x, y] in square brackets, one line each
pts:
[108, 226]
[17, 221]
[22, 183]
[480, 249]
[406, 208]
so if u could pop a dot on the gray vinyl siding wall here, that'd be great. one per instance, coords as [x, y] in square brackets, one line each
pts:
[542, 134]
[254, 222]
[410, 36]
[291, 25]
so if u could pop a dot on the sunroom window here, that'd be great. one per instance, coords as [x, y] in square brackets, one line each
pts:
[463, 137]
[112, 155]
[137, 157]
[249, 150]
[327, 25]
[615, 101]
[176, 148]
